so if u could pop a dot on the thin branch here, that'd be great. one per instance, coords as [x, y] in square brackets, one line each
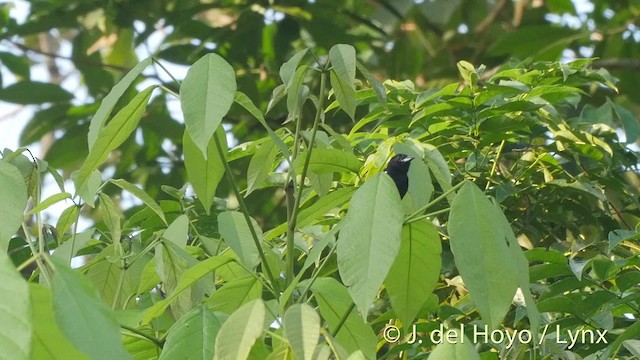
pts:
[491, 18]
[247, 218]
[618, 64]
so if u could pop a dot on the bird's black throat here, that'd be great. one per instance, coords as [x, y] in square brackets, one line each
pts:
[398, 169]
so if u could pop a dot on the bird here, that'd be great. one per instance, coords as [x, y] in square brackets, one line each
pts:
[397, 169]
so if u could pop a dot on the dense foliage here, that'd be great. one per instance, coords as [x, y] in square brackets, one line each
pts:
[180, 266]
[263, 225]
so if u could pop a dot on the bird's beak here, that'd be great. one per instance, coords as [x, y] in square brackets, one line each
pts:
[407, 159]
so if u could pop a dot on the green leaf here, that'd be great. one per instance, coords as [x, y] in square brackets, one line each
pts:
[343, 61]
[206, 95]
[237, 235]
[429, 95]
[244, 101]
[334, 301]
[289, 68]
[178, 231]
[171, 263]
[316, 210]
[13, 193]
[240, 331]
[342, 75]
[111, 217]
[81, 315]
[296, 93]
[415, 271]
[16, 321]
[48, 340]
[521, 268]
[420, 185]
[370, 239]
[468, 73]
[430, 110]
[66, 219]
[628, 121]
[235, 293]
[302, 328]
[34, 92]
[454, 348]
[188, 278]
[345, 94]
[89, 191]
[113, 135]
[110, 101]
[204, 173]
[326, 160]
[260, 165]
[482, 254]
[439, 168]
[377, 86]
[18, 65]
[615, 237]
[631, 332]
[142, 195]
[53, 199]
[544, 90]
[193, 336]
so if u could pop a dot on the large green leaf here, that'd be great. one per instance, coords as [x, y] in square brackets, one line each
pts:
[34, 92]
[327, 160]
[109, 101]
[345, 94]
[628, 121]
[204, 173]
[48, 340]
[236, 233]
[296, 93]
[206, 95]
[13, 193]
[193, 336]
[260, 165]
[82, 316]
[370, 239]
[178, 231]
[521, 267]
[235, 293]
[343, 61]
[171, 263]
[16, 322]
[342, 75]
[289, 67]
[482, 254]
[113, 135]
[111, 218]
[416, 270]
[302, 328]
[334, 301]
[240, 331]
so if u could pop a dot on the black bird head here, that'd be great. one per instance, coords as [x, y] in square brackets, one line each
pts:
[397, 169]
